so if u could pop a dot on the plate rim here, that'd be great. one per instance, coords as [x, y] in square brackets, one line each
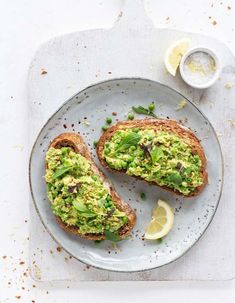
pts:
[64, 104]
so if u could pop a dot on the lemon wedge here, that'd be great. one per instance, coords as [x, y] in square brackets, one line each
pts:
[162, 221]
[174, 55]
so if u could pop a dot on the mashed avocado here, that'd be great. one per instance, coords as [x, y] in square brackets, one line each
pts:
[157, 156]
[78, 195]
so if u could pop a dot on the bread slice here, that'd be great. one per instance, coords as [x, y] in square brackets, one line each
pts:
[76, 142]
[163, 125]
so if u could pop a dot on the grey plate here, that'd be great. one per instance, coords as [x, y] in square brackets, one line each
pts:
[192, 215]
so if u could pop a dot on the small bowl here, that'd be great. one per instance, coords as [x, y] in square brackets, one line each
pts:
[211, 81]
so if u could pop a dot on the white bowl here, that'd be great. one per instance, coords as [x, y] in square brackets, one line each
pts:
[211, 81]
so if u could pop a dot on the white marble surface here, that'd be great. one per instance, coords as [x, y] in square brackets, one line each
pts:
[24, 26]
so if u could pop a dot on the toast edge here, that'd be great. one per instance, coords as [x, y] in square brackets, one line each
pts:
[166, 124]
[76, 142]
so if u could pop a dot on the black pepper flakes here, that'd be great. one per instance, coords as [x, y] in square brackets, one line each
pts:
[43, 72]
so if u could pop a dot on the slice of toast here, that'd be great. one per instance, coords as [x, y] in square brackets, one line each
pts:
[170, 126]
[76, 142]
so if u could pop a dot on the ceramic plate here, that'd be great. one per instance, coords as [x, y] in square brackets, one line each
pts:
[85, 113]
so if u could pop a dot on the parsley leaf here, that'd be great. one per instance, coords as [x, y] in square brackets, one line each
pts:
[129, 140]
[143, 111]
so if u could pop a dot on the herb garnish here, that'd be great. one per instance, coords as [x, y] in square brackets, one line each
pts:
[145, 111]
[142, 195]
[72, 188]
[146, 149]
[129, 140]
[156, 154]
[61, 171]
[175, 178]
[98, 241]
[180, 167]
[85, 212]
[112, 236]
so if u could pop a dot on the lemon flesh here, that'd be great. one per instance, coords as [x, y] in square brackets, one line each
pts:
[174, 55]
[162, 221]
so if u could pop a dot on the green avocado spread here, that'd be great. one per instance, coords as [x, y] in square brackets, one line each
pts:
[155, 156]
[78, 195]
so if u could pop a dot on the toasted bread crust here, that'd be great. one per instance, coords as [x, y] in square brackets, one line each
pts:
[158, 124]
[76, 142]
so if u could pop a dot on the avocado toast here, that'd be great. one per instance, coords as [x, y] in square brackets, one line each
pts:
[83, 201]
[159, 151]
